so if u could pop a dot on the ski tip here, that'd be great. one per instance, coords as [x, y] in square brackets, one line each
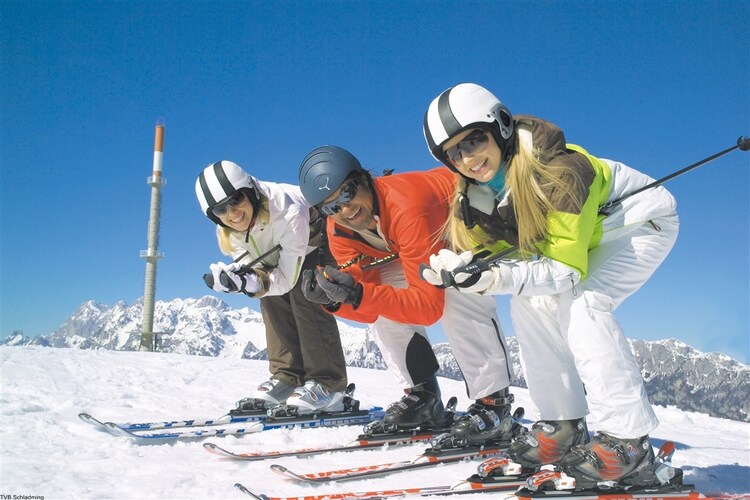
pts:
[249, 493]
[224, 419]
[451, 404]
[279, 469]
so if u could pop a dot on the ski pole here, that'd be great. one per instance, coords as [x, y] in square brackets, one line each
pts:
[209, 278]
[743, 144]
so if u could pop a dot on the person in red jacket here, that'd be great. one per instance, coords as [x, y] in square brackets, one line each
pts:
[380, 230]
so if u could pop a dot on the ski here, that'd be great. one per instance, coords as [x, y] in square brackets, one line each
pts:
[655, 494]
[374, 436]
[443, 449]
[172, 424]
[254, 420]
[460, 488]
[361, 443]
[325, 419]
[431, 457]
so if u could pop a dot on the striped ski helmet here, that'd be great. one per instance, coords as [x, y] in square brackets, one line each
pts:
[462, 107]
[219, 181]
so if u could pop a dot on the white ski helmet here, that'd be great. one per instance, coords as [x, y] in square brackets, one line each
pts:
[219, 181]
[465, 106]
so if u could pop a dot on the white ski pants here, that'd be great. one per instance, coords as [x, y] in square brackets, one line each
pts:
[470, 323]
[573, 339]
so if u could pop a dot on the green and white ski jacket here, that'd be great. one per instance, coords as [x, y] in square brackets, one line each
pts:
[562, 259]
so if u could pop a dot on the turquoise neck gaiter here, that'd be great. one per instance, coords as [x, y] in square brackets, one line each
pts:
[497, 183]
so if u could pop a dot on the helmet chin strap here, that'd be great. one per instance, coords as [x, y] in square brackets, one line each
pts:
[252, 197]
[250, 226]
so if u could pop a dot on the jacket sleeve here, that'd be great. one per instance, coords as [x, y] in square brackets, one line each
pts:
[544, 276]
[419, 303]
[293, 231]
[344, 253]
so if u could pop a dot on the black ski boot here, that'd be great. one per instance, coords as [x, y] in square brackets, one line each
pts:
[420, 407]
[488, 419]
[627, 462]
[547, 442]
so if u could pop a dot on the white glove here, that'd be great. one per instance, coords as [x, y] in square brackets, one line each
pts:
[463, 271]
[229, 278]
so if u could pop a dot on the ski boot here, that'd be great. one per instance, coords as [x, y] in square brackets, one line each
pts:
[269, 394]
[489, 419]
[547, 442]
[420, 407]
[314, 398]
[626, 466]
[621, 462]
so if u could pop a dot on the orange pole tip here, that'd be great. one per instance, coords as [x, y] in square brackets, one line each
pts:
[159, 139]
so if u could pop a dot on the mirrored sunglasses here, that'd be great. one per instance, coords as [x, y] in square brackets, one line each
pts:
[347, 194]
[472, 144]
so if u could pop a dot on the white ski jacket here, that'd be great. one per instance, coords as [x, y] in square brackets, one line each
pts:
[287, 224]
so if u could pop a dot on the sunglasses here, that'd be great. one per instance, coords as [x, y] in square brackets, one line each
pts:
[347, 194]
[472, 144]
[220, 209]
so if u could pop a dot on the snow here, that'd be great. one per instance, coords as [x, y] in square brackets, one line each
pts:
[48, 452]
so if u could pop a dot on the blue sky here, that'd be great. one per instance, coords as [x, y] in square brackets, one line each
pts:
[656, 85]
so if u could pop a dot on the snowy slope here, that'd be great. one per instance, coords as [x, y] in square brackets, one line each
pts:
[48, 452]
[675, 373]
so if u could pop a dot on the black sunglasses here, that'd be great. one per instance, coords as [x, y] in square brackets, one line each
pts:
[220, 209]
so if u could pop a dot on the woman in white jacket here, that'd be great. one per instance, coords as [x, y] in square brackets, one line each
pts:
[267, 228]
[522, 187]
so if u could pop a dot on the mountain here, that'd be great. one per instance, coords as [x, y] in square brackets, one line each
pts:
[675, 373]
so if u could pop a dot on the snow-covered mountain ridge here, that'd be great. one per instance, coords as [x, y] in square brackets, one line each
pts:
[675, 373]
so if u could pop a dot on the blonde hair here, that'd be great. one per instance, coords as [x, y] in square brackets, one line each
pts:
[535, 188]
[223, 233]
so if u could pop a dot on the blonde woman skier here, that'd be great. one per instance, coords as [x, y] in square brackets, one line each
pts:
[522, 186]
[270, 224]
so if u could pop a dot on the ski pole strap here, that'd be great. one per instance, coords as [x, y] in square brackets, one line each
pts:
[743, 144]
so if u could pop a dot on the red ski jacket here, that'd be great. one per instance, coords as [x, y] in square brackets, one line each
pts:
[412, 208]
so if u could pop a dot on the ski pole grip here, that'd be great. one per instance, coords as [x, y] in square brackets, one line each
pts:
[447, 278]
[743, 142]
[227, 282]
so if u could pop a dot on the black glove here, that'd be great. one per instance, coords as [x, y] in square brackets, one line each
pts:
[312, 291]
[339, 287]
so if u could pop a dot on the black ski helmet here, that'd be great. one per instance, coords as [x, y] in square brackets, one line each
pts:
[462, 107]
[323, 170]
[221, 180]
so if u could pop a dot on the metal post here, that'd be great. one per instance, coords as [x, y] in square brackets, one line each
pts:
[152, 255]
